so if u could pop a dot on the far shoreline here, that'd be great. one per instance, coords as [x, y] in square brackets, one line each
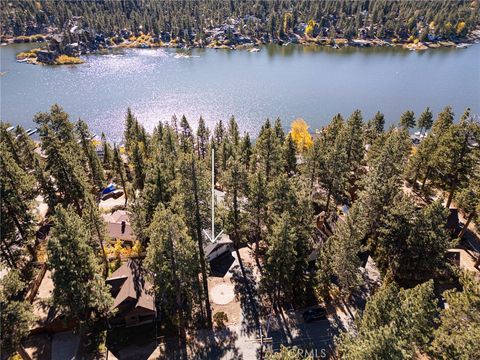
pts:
[30, 56]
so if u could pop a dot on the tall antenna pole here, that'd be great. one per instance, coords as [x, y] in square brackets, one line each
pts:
[213, 194]
[212, 236]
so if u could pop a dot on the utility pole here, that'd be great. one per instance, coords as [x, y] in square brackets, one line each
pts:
[263, 339]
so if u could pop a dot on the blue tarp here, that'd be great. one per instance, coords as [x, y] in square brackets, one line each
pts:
[108, 189]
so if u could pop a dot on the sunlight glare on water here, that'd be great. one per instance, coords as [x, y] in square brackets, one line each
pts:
[286, 82]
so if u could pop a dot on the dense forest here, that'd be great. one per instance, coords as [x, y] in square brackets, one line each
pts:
[267, 20]
[274, 186]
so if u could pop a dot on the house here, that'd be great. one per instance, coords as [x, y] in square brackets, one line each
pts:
[324, 228]
[134, 302]
[118, 226]
[222, 246]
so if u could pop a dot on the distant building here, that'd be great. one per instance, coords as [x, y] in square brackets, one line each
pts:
[134, 301]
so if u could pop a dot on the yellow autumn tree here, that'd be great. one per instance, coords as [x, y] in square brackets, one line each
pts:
[311, 26]
[300, 135]
[137, 248]
[460, 30]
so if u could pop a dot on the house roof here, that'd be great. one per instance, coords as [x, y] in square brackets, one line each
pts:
[114, 225]
[133, 286]
[210, 247]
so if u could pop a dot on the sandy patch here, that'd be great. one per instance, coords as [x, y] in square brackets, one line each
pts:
[222, 294]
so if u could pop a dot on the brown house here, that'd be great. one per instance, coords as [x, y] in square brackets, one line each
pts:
[134, 301]
[118, 226]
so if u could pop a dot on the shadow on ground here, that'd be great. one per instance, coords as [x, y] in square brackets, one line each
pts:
[250, 304]
[219, 267]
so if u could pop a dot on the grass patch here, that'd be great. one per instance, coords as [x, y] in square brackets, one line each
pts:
[68, 60]
[30, 54]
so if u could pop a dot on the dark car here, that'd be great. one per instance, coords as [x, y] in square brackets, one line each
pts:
[112, 195]
[315, 314]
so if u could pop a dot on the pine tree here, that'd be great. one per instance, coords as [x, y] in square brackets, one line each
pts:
[107, 153]
[93, 219]
[425, 121]
[430, 145]
[280, 261]
[25, 148]
[454, 158]
[279, 133]
[407, 120]
[468, 199]
[131, 127]
[17, 196]
[333, 170]
[235, 219]
[17, 314]
[382, 182]
[95, 167]
[458, 335]
[379, 122]
[233, 133]
[191, 194]
[267, 152]
[172, 265]
[412, 243]
[344, 247]
[64, 162]
[256, 208]
[246, 151]
[203, 136]
[138, 162]
[396, 324]
[374, 127]
[79, 289]
[186, 135]
[290, 156]
[351, 142]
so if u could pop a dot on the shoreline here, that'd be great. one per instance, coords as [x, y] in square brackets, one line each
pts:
[30, 56]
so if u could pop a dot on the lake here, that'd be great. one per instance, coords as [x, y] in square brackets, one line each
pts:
[286, 82]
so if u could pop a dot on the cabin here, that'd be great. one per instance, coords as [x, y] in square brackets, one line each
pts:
[118, 226]
[324, 228]
[133, 297]
[222, 246]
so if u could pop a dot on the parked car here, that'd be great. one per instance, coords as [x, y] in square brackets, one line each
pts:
[319, 313]
[112, 195]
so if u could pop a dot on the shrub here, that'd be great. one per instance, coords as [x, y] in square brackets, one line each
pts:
[68, 60]
[220, 318]
[37, 38]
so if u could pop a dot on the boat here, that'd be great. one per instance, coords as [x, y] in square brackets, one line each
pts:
[30, 132]
[22, 60]
[254, 50]
[10, 128]
[463, 46]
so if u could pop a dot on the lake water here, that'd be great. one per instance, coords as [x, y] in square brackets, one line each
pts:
[286, 82]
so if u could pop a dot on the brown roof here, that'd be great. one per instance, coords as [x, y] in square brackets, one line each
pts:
[129, 282]
[114, 225]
